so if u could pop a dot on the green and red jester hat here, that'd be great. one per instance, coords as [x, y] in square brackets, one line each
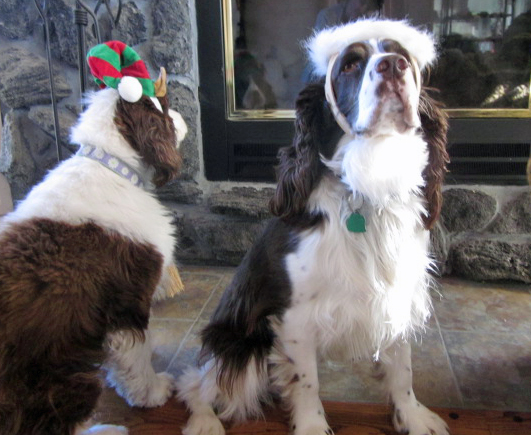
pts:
[116, 65]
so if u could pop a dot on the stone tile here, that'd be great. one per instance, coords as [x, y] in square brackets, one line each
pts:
[188, 305]
[216, 296]
[433, 381]
[487, 353]
[189, 351]
[166, 337]
[493, 370]
[206, 270]
[466, 306]
[349, 383]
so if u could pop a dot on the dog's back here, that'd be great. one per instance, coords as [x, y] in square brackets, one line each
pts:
[62, 289]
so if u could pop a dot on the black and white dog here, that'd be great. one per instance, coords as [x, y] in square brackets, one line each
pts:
[342, 271]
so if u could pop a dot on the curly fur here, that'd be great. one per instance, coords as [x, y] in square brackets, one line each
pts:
[434, 122]
[300, 165]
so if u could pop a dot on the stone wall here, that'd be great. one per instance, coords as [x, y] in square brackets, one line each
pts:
[162, 31]
[484, 232]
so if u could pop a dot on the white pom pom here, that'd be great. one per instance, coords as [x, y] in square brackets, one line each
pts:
[130, 89]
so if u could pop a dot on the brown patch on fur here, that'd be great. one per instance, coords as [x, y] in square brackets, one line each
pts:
[152, 134]
[434, 122]
[62, 289]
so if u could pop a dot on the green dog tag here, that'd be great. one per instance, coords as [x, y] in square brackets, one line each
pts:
[356, 223]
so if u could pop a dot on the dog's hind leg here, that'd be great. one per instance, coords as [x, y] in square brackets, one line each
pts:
[129, 370]
[409, 414]
[198, 389]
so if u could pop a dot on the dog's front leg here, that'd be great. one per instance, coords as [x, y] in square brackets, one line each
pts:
[300, 380]
[409, 414]
[129, 370]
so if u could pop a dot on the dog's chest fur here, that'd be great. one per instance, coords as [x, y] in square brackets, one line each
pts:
[357, 292]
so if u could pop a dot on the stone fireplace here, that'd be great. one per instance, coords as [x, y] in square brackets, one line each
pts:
[484, 233]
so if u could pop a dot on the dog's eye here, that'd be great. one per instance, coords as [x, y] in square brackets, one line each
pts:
[350, 66]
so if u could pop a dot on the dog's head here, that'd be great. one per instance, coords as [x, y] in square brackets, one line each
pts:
[133, 107]
[373, 74]
[369, 84]
[154, 131]
[376, 87]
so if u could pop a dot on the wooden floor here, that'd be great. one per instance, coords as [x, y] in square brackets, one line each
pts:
[344, 418]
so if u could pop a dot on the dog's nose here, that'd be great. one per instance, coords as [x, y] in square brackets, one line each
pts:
[391, 66]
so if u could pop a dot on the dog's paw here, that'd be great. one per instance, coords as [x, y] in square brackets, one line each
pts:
[104, 429]
[203, 424]
[161, 388]
[416, 419]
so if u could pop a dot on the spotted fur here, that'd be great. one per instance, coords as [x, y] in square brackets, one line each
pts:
[310, 287]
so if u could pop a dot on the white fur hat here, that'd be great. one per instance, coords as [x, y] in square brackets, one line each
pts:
[324, 44]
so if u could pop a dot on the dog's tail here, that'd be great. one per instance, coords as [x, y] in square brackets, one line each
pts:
[235, 349]
[233, 378]
[202, 393]
[240, 336]
[238, 349]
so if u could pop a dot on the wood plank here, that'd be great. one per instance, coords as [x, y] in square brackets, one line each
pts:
[344, 418]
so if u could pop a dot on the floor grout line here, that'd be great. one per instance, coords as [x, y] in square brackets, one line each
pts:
[195, 322]
[445, 324]
[449, 361]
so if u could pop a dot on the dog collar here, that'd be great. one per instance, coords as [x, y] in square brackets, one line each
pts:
[113, 163]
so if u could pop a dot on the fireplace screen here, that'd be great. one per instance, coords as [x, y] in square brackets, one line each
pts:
[483, 68]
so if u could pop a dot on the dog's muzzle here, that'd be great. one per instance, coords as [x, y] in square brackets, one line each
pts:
[390, 66]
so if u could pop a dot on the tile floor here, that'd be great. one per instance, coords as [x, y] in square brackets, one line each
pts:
[475, 354]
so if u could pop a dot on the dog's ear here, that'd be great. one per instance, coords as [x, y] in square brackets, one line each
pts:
[152, 134]
[434, 122]
[300, 166]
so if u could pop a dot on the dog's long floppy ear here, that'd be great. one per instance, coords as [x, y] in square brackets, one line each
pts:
[300, 166]
[434, 122]
[152, 134]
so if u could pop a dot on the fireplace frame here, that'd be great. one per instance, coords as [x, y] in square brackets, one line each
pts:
[239, 147]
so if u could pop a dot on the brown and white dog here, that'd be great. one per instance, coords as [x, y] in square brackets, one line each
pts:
[81, 259]
[342, 271]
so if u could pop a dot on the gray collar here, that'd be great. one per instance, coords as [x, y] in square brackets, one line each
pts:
[113, 163]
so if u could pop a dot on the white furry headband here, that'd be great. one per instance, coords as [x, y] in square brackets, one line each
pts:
[324, 44]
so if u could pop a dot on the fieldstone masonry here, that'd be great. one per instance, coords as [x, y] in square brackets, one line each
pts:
[484, 232]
